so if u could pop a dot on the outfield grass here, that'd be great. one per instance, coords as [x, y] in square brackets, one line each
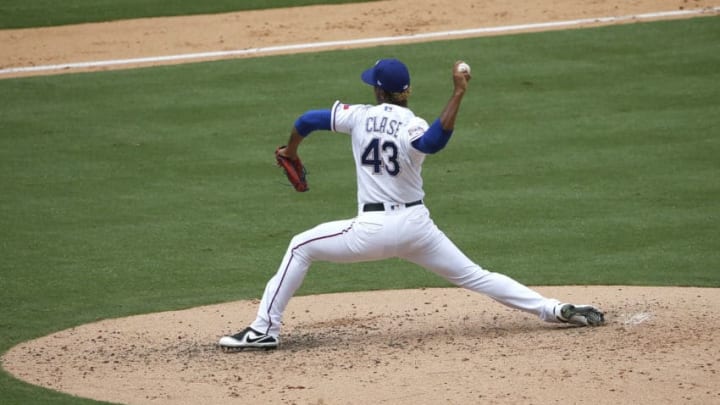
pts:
[580, 157]
[39, 13]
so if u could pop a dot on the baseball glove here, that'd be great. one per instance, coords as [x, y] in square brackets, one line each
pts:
[294, 170]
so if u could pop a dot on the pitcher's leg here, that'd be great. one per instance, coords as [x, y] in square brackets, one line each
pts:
[344, 241]
[292, 271]
[278, 291]
[446, 260]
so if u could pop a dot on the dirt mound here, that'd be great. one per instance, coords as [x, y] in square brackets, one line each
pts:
[397, 347]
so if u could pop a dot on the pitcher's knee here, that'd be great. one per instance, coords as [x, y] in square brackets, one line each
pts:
[299, 248]
[467, 275]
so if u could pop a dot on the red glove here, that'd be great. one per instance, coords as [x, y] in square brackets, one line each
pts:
[294, 170]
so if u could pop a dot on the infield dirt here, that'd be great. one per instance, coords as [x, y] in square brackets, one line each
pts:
[154, 37]
[429, 346]
[426, 346]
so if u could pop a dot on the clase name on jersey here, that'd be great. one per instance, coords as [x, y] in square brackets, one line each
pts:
[383, 125]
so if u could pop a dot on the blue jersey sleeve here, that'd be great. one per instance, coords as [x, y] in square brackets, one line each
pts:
[434, 139]
[312, 121]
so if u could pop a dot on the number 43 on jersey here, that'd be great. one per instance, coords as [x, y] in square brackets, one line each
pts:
[381, 156]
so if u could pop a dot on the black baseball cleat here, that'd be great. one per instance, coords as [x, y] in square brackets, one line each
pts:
[248, 339]
[583, 315]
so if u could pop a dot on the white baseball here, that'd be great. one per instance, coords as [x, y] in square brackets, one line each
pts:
[463, 67]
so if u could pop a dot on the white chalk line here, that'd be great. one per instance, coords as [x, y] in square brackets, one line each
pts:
[365, 41]
[637, 318]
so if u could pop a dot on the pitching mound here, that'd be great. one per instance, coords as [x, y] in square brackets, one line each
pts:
[397, 347]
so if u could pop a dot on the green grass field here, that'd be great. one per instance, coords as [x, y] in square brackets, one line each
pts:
[39, 13]
[580, 157]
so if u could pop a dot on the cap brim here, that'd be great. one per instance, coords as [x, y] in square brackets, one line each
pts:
[368, 76]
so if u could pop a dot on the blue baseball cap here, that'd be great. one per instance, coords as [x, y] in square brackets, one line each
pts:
[390, 75]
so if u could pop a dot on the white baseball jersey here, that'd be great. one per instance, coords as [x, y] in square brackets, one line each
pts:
[388, 167]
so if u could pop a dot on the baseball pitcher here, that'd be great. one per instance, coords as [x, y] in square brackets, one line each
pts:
[389, 145]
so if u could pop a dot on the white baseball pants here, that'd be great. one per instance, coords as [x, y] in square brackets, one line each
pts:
[407, 233]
